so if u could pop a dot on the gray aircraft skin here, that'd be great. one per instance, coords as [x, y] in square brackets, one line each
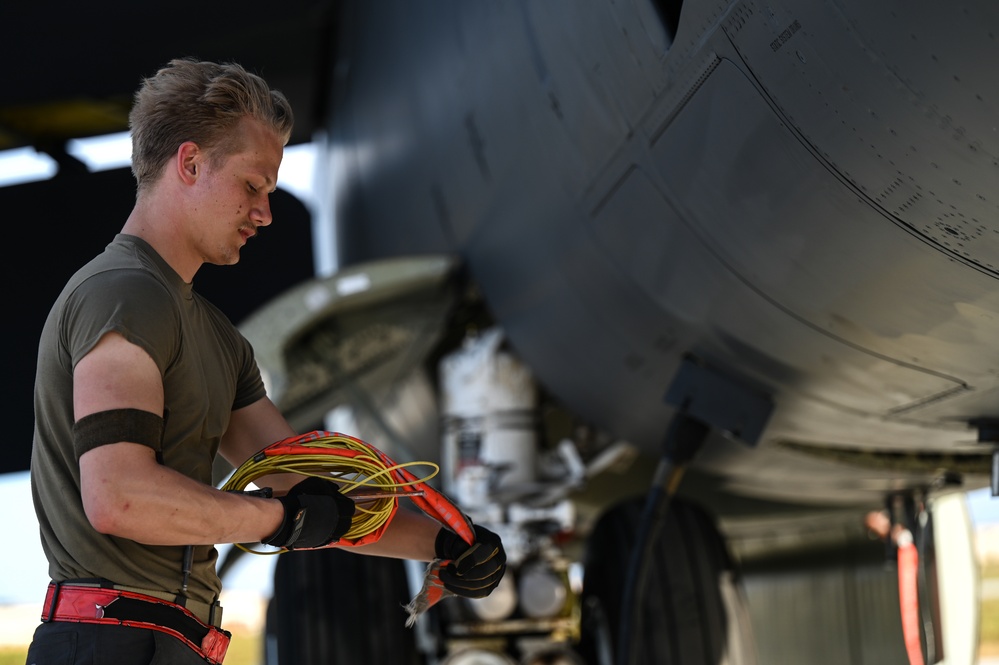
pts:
[800, 193]
[796, 199]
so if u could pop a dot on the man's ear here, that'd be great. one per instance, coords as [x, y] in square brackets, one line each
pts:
[189, 161]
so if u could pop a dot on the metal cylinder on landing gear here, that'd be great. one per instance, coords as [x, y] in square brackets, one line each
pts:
[477, 657]
[489, 403]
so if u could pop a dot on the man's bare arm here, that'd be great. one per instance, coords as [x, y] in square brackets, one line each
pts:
[410, 536]
[252, 428]
[125, 491]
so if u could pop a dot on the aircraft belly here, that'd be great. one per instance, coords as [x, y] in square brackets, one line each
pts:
[726, 273]
[645, 238]
[897, 103]
[730, 221]
[794, 232]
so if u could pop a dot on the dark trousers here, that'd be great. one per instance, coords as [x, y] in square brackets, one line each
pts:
[68, 643]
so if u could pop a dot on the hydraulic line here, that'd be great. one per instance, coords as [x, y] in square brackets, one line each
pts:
[684, 439]
[705, 399]
[908, 596]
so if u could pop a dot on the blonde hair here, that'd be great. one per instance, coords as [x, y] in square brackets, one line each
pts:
[203, 102]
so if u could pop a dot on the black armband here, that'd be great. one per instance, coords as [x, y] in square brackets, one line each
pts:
[104, 427]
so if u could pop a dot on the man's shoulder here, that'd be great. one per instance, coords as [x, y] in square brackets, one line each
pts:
[104, 279]
[123, 266]
[126, 252]
[126, 289]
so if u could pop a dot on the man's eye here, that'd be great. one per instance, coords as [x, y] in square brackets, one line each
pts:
[252, 188]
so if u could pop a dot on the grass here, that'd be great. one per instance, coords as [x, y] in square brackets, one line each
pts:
[13, 655]
[988, 643]
[244, 649]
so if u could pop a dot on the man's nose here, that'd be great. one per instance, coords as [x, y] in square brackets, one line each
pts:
[261, 212]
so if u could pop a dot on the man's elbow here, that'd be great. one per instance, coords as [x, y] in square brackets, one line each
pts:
[106, 516]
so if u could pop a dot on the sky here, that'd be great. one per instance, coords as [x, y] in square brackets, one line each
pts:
[984, 507]
[23, 570]
[114, 151]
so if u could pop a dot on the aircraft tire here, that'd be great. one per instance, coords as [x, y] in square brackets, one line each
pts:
[693, 611]
[337, 606]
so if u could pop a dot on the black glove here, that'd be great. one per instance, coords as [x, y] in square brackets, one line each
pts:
[474, 570]
[315, 514]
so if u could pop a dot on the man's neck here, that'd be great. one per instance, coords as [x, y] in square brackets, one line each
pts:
[151, 219]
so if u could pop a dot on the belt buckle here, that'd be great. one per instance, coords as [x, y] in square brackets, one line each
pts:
[56, 588]
[215, 614]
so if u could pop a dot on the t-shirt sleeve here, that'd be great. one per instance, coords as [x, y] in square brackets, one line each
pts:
[249, 386]
[129, 302]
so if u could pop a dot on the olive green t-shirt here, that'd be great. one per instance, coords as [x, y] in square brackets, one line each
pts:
[208, 371]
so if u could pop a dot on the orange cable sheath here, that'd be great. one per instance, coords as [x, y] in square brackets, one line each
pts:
[908, 598]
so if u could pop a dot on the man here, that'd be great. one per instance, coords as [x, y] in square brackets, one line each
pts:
[141, 382]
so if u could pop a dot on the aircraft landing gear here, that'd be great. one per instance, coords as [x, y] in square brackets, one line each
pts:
[693, 611]
[333, 604]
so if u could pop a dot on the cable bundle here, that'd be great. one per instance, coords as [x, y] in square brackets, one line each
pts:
[361, 469]
[358, 468]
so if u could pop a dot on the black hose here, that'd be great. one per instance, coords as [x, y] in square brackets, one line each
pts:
[683, 440]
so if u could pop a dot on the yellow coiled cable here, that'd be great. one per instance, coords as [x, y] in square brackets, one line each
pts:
[351, 473]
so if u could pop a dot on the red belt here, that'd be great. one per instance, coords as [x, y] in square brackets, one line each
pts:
[84, 604]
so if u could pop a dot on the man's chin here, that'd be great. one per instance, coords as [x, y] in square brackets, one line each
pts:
[229, 259]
